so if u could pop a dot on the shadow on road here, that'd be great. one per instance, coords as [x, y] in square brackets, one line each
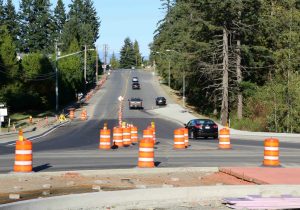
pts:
[42, 167]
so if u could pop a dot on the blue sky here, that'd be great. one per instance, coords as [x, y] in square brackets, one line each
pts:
[135, 19]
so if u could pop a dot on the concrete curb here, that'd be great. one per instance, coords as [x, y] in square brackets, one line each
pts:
[136, 171]
[149, 197]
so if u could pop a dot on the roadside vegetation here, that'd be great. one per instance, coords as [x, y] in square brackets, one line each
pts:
[28, 40]
[239, 59]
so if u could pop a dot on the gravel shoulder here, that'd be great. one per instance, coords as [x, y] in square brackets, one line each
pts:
[32, 185]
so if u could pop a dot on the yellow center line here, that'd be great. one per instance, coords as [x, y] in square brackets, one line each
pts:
[126, 86]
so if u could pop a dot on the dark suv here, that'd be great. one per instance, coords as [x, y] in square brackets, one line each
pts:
[202, 128]
[161, 101]
[136, 85]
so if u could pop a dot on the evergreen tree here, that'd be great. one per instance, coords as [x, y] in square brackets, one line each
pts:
[37, 26]
[114, 61]
[59, 18]
[82, 24]
[138, 56]
[1, 13]
[11, 19]
[127, 54]
[90, 17]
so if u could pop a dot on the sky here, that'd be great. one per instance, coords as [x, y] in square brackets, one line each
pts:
[135, 19]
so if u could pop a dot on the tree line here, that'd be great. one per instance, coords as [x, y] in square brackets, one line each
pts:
[130, 56]
[32, 39]
[239, 59]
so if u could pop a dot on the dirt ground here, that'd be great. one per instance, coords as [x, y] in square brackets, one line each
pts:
[41, 185]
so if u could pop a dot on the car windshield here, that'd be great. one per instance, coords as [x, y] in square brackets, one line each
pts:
[201, 122]
[160, 98]
[135, 99]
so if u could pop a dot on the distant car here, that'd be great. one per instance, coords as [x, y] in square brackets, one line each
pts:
[135, 103]
[132, 67]
[202, 128]
[135, 79]
[136, 85]
[161, 101]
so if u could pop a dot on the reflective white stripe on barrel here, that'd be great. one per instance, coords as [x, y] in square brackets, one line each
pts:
[23, 163]
[126, 134]
[271, 158]
[118, 140]
[272, 148]
[146, 159]
[178, 142]
[178, 136]
[23, 152]
[134, 132]
[104, 143]
[146, 149]
[104, 136]
[148, 136]
[118, 134]
[224, 136]
[224, 142]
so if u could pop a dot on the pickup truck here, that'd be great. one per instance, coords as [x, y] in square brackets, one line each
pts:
[135, 103]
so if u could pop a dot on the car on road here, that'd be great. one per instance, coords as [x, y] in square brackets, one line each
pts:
[135, 103]
[202, 128]
[161, 101]
[135, 79]
[136, 85]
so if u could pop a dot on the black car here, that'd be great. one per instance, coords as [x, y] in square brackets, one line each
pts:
[161, 101]
[135, 103]
[136, 85]
[202, 128]
[135, 79]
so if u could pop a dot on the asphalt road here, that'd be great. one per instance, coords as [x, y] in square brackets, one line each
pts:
[74, 146]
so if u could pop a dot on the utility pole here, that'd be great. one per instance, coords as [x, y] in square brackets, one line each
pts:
[56, 79]
[224, 108]
[239, 73]
[85, 64]
[169, 77]
[96, 64]
[105, 53]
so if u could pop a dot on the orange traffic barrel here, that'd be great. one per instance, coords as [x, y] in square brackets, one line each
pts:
[72, 115]
[153, 132]
[134, 134]
[179, 139]
[23, 155]
[118, 136]
[104, 139]
[271, 153]
[83, 115]
[186, 136]
[148, 134]
[224, 139]
[146, 153]
[127, 136]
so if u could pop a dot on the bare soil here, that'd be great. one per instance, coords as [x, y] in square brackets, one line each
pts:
[30, 187]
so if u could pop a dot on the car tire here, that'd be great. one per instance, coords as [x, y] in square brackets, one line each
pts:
[192, 135]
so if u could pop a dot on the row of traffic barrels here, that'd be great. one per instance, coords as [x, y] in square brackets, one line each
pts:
[23, 150]
[123, 137]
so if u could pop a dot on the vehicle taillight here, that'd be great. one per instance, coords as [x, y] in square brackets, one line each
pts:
[215, 126]
[198, 126]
